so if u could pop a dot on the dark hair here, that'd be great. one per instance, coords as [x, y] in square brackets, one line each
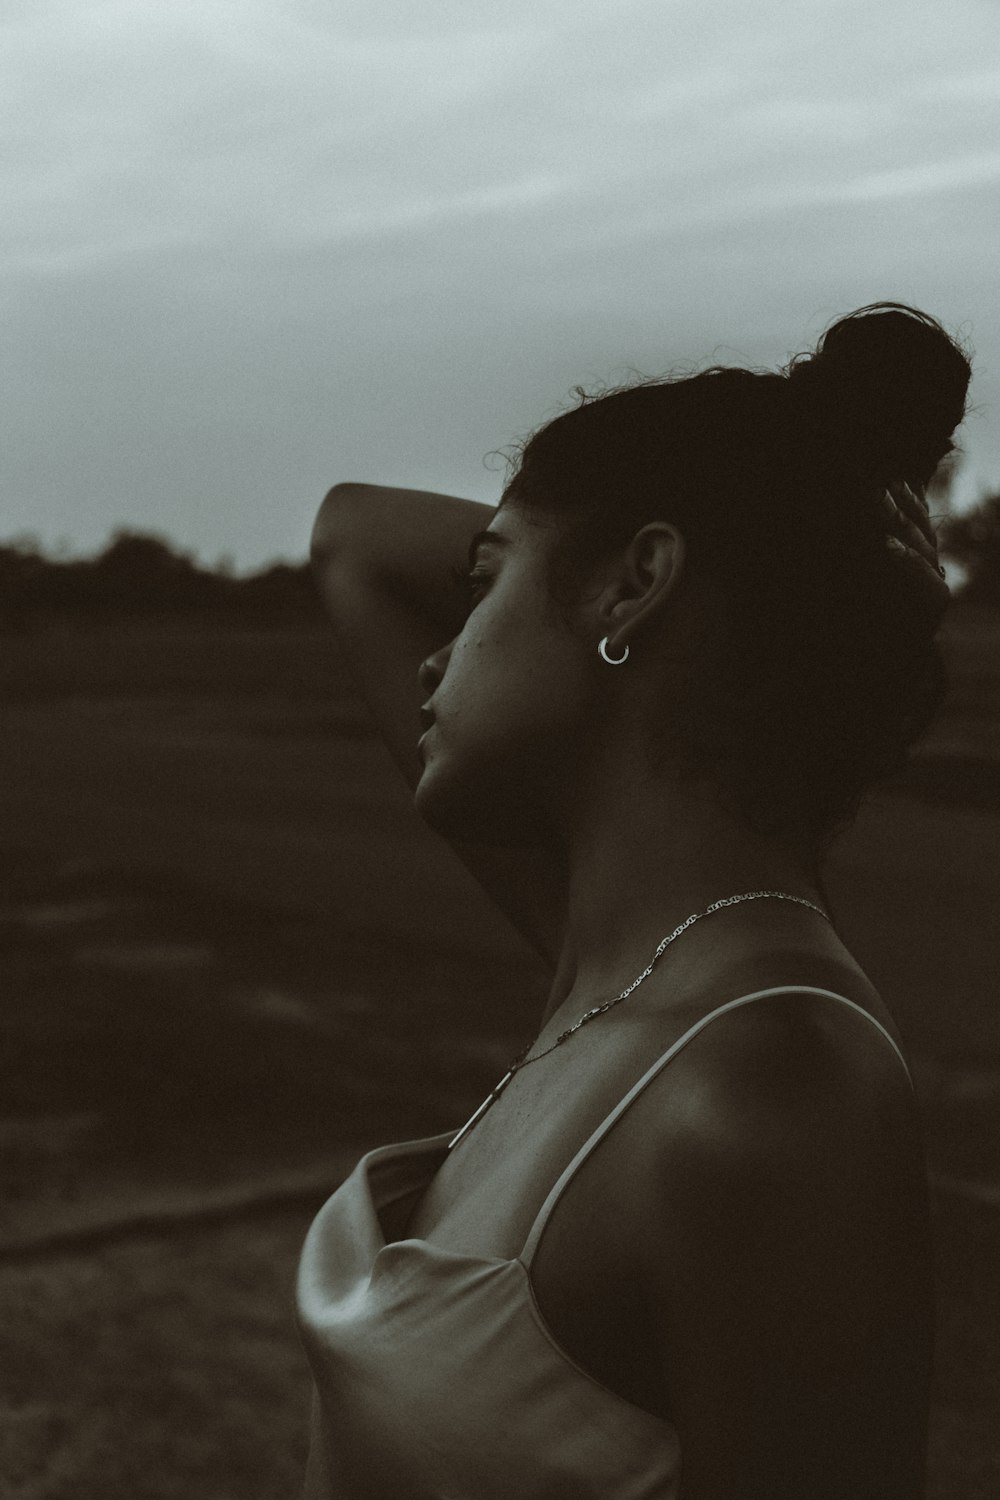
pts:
[820, 667]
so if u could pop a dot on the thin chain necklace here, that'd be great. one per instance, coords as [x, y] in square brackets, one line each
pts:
[522, 1060]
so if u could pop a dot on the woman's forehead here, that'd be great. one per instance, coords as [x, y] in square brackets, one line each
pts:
[512, 522]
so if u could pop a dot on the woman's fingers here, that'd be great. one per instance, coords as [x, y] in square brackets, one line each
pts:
[908, 519]
[911, 538]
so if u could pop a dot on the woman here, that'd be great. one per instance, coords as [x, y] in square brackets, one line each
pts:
[683, 1248]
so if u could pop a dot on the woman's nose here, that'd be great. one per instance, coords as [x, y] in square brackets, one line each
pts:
[432, 669]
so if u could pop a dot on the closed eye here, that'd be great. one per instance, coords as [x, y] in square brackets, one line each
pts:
[473, 580]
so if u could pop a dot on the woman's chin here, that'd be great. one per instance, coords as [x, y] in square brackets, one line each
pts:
[443, 812]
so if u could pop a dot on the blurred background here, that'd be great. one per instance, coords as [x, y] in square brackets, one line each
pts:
[255, 249]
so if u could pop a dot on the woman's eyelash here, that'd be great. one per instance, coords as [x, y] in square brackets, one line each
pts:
[472, 580]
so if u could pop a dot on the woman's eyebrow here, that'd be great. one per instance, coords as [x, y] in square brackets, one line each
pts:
[486, 539]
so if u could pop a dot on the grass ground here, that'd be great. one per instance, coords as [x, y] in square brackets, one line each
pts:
[231, 959]
[157, 1369]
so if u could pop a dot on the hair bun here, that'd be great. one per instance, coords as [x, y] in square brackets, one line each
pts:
[889, 384]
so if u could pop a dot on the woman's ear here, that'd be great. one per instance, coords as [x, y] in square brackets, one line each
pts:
[643, 580]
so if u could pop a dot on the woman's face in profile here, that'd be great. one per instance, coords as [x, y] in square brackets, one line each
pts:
[509, 695]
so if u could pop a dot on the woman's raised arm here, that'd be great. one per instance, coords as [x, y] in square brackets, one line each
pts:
[405, 544]
[385, 561]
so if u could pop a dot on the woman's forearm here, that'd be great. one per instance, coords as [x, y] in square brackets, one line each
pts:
[407, 543]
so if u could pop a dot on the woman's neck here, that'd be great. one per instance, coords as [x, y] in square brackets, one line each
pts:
[647, 855]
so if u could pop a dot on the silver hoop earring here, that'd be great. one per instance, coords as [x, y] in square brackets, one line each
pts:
[612, 661]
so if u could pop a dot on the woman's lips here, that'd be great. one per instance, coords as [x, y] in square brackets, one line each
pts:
[427, 720]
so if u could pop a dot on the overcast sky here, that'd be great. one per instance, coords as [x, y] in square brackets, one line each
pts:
[257, 246]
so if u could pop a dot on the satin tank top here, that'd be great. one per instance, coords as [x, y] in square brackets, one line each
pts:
[436, 1377]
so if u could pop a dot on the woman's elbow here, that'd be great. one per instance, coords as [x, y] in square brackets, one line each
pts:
[332, 525]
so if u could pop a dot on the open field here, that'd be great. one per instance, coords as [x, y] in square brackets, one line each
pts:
[232, 958]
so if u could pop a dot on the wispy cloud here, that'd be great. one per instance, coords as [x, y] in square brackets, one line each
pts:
[953, 175]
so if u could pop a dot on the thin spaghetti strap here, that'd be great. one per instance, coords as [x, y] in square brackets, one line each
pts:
[535, 1233]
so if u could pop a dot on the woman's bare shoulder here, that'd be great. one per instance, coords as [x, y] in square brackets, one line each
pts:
[787, 1077]
[785, 1252]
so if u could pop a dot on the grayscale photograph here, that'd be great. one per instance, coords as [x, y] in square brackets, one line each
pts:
[500, 750]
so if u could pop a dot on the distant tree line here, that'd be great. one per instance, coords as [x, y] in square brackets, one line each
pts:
[972, 539]
[139, 574]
